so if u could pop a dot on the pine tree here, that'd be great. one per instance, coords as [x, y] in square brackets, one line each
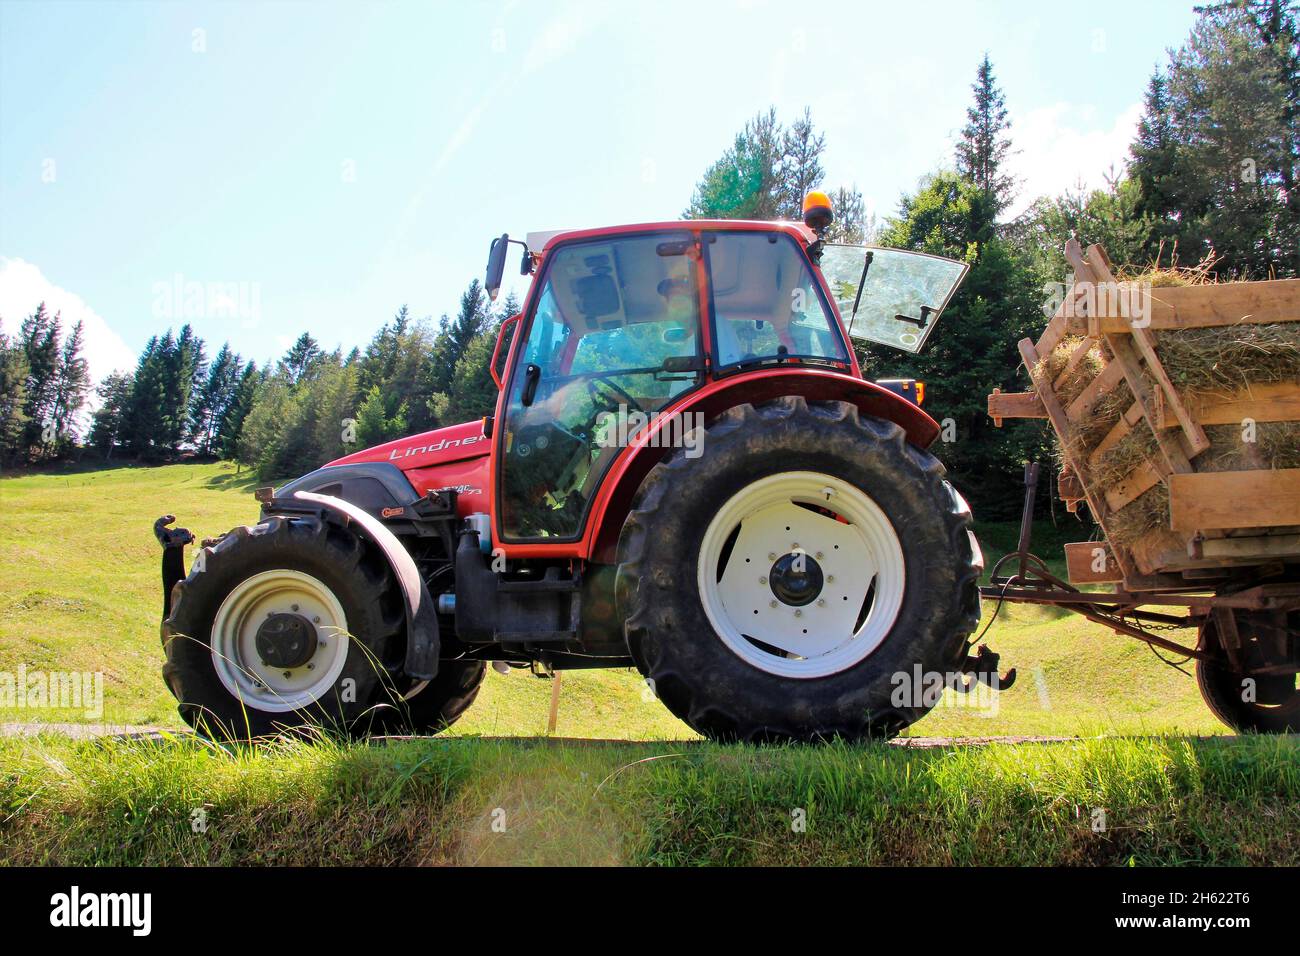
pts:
[375, 425]
[143, 425]
[800, 169]
[984, 146]
[301, 358]
[71, 385]
[231, 424]
[745, 183]
[13, 399]
[1216, 153]
[212, 400]
[850, 225]
[454, 337]
[39, 338]
[107, 428]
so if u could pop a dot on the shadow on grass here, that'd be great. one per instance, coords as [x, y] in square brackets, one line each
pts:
[1098, 801]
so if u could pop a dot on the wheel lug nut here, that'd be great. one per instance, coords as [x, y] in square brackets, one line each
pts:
[771, 604]
[821, 602]
[820, 555]
[771, 555]
[288, 674]
[762, 580]
[316, 620]
[798, 613]
[311, 667]
[830, 579]
[294, 607]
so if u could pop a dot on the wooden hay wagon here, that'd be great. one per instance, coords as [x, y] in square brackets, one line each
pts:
[1176, 411]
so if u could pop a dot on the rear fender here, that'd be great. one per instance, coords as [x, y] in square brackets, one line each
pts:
[621, 484]
[422, 640]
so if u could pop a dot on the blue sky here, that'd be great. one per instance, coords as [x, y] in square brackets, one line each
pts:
[327, 162]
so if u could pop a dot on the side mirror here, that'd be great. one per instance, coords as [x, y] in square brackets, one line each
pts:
[496, 265]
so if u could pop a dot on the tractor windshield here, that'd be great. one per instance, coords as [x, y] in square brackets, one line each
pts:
[902, 297]
[767, 305]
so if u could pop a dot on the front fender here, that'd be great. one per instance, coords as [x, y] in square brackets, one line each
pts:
[422, 639]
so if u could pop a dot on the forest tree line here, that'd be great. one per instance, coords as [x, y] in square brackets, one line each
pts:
[1210, 177]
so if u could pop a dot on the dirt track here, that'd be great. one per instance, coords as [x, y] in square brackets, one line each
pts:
[90, 731]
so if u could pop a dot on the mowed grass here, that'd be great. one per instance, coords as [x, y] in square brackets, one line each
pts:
[80, 591]
[1114, 801]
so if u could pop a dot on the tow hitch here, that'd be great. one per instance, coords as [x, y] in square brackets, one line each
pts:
[983, 669]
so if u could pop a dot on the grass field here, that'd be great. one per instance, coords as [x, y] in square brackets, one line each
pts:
[79, 582]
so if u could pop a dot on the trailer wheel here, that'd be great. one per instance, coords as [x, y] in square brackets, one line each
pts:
[281, 625]
[777, 586]
[432, 706]
[1266, 704]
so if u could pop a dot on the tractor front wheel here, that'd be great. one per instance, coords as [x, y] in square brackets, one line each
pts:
[279, 625]
[796, 579]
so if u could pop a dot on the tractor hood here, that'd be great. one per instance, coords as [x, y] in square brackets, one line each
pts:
[438, 447]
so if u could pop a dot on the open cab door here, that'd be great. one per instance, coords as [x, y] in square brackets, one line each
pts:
[890, 296]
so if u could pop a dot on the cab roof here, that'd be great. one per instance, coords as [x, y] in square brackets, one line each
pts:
[539, 242]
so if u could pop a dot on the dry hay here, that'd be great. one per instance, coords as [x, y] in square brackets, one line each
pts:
[1276, 445]
[1217, 359]
[1231, 357]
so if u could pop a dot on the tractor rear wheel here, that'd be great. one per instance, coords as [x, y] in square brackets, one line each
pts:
[784, 584]
[279, 625]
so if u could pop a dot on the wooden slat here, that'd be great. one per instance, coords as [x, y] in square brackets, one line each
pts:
[1053, 334]
[1117, 432]
[1064, 430]
[1251, 548]
[1143, 478]
[1097, 267]
[1274, 402]
[1083, 558]
[1014, 405]
[1170, 398]
[1077, 356]
[1108, 378]
[1205, 306]
[1174, 458]
[1234, 499]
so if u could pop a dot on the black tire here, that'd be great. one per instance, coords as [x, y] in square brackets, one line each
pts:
[670, 637]
[439, 704]
[352, 568]
[1274, 704]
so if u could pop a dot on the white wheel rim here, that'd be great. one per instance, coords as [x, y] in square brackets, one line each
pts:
[824, 636]
[234, 646]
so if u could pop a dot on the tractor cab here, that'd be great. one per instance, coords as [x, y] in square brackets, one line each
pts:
[621, 324]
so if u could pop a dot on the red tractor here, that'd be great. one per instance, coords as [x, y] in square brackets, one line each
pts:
[687, 473]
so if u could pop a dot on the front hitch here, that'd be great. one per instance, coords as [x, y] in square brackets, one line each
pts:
[173, 541]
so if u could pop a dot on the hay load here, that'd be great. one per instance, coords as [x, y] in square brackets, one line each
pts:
[1176, 405]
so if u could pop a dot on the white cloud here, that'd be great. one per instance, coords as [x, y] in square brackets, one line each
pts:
[23, 287]
[1062, 145]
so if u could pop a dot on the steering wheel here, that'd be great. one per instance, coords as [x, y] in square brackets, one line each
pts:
[614, 387]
